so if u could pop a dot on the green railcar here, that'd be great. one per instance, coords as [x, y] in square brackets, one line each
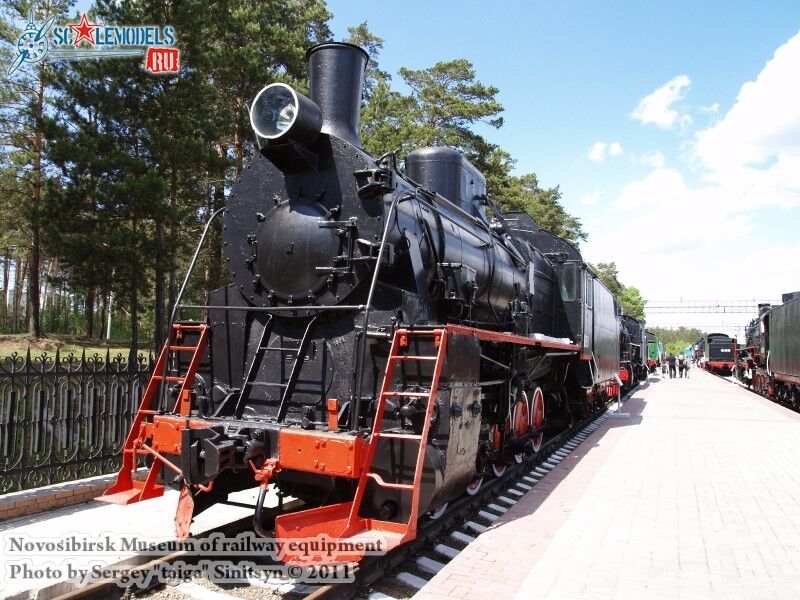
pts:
[655, 351]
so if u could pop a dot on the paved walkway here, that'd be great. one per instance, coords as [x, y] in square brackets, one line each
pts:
[697, 495]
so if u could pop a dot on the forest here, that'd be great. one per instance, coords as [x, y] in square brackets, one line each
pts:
[108, 173]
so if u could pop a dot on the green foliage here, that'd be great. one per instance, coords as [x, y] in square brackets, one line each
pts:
[143, 160]
[675, 340]
[629, 298]
[632, 302]
[360, 35]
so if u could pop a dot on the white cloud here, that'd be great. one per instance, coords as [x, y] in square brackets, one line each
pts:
[600, 150]
[657, 107]
[717, 238]
[597, 153]
[764, 123]
[590, 199]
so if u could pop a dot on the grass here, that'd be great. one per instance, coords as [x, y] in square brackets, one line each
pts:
[20, 342]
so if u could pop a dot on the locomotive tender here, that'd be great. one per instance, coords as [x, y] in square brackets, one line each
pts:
[385, 343]
[718, 353]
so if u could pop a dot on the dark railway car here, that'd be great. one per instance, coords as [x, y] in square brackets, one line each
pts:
[384, 345]
[719, 352]
[633, 348]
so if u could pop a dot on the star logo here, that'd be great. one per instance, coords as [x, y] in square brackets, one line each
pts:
[83, 30]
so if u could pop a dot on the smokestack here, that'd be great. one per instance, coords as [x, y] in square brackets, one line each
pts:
[336, 74]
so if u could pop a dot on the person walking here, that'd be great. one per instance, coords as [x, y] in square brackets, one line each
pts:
[671, 360]
[686, 369]
[681, 365]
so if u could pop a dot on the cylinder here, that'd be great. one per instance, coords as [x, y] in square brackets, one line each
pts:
[336, 79]
[281, 113]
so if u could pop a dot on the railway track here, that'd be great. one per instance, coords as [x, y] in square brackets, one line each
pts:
[397, 574]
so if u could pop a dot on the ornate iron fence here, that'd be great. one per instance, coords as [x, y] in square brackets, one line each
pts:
[65, 418]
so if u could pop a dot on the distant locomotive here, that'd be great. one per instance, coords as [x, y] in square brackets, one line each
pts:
[384, 345]
[655, 351]
[769, 360]
[718, 353]
[633, 351]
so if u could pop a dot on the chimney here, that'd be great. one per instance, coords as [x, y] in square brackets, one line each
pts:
[336, 80]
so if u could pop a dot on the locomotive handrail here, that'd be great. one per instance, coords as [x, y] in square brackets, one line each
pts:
[161, 389]
[269, 309]
[362, 346]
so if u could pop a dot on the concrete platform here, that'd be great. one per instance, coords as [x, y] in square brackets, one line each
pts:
[697, 495]
[151, 520]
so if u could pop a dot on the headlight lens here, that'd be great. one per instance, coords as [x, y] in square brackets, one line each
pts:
[274, 111]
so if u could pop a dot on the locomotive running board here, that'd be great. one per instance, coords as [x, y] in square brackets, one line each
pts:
[127, 490]
[347, 534]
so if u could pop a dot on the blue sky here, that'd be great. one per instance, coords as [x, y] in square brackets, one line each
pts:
[695, 194]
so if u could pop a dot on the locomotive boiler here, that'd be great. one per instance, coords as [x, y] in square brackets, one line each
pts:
[390, 337]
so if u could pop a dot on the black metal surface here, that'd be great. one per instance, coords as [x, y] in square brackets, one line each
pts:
[783, 339]
[446, 172]
[718, 347]
[336, 78]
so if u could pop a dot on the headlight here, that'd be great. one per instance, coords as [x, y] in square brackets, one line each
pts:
[280, 113]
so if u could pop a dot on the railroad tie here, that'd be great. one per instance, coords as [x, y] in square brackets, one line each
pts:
[462, 537]
[411, 580]
[428, 565]
[446, 551]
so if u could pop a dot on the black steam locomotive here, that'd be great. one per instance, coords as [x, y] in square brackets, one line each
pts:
[633, 352]
[769, 360]
[390, 338]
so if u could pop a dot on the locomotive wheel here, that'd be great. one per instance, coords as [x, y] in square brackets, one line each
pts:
[522, 422]
[473, 487]
[498, 470]
[538, 418]
[437, 513]
[497, 446]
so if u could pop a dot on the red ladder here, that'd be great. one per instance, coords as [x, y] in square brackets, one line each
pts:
[401, 340]
[128, 490]
[343, 521]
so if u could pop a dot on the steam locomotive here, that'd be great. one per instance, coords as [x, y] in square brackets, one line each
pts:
[769, 361]
[390, 339]
[633, 348]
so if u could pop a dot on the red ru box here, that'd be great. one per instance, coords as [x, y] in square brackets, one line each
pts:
[162, 60]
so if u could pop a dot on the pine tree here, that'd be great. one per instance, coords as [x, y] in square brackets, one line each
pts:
[25, 99]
